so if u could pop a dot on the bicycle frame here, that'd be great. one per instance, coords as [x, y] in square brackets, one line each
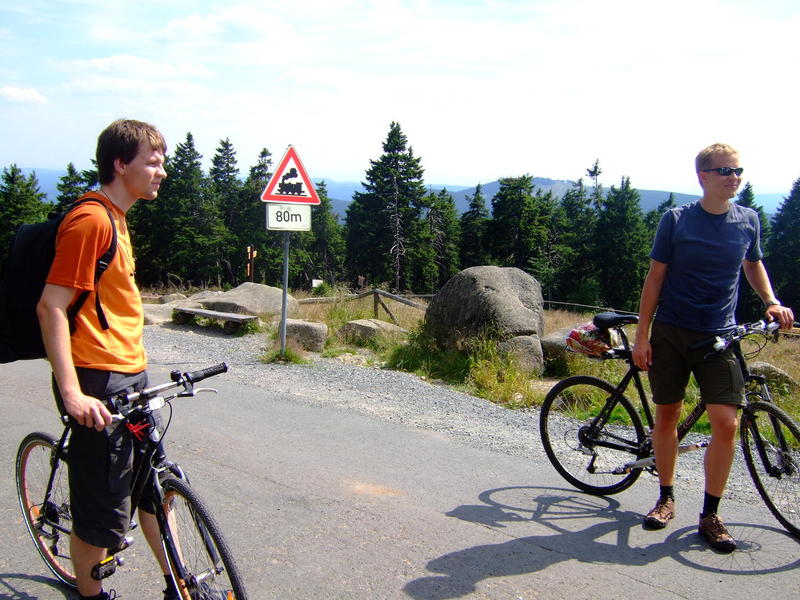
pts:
[688, 422]
[633, 374]
[763, 394]
[59, 454]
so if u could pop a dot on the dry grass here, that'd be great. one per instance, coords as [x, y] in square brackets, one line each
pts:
[337, 313]
[492, 376]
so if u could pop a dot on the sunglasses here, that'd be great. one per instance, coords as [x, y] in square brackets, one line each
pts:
[725, 171]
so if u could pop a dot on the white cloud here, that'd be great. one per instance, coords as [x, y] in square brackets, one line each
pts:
[482, 88]
[136, 67]
[22, 95]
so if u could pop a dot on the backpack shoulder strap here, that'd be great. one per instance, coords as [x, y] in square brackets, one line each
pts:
[99, 269]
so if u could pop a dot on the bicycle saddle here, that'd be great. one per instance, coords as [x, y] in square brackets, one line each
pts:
[608, 320]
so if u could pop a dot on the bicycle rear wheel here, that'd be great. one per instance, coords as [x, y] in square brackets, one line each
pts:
[201, 563]
[771, 444]
[585, 455]
[48, 519]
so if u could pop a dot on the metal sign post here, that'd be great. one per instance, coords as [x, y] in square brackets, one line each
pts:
[285, 302]
[289, 195]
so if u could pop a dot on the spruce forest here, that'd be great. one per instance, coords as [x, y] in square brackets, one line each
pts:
[588, 248]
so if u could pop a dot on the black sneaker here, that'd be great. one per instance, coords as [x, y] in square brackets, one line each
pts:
[713, 529]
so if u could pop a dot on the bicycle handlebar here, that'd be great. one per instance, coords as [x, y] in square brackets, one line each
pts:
[201, 374]
[721, 342]
[125, 402]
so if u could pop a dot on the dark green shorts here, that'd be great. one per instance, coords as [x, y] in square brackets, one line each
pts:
[718, 375]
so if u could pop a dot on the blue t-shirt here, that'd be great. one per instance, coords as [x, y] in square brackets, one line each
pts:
[704, 254]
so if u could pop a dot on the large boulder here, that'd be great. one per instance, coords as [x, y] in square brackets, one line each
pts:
[363, 330]
[777, 378]
[553, 344]
[248, 299]
[307, 335]
[504, 302]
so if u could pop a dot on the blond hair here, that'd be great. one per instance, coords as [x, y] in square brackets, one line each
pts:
[706, 155]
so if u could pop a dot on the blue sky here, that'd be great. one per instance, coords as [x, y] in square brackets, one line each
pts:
[483, 89]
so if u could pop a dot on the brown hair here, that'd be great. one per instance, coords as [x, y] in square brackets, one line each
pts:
[121, 140]
[705, 156]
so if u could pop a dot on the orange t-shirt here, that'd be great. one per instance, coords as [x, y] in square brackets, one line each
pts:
[83, 237]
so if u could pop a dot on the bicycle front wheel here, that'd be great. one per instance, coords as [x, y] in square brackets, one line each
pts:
[771, 444]
[591, 456]
[47, 516]
[199, 559]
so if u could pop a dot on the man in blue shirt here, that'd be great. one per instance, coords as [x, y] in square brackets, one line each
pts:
[691, 288]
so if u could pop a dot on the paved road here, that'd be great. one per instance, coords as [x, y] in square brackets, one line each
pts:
[320, 502]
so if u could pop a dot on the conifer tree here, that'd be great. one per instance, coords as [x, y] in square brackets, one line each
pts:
[71, 186]
[508, 227]
[747, 197]
[653, 217]
[226, 191]
[20, 202]
[519, 229]
[597, 193]
[748, 304]
[574, 224]
[443, 227]
[783, 250]
[473, 224]
[542, 257]
[252, 232]
[382, 221]
[623, 247]
[179, 234]
[324, 244]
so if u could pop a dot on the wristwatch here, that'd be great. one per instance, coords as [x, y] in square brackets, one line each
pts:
[773, 302]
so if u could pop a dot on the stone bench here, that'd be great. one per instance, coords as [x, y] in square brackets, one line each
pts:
[231, 322]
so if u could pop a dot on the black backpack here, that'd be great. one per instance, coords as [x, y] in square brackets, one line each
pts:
[30, 256]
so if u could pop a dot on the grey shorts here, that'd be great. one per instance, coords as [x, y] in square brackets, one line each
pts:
[719, 375]
[102, 464]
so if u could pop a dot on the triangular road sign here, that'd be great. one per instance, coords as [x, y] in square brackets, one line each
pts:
[290, 183]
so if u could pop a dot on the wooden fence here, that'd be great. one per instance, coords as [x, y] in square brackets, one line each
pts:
[377, 301]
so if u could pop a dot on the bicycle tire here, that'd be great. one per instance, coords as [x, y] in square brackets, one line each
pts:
[778, 483]
[209, 571]
[574, 459]
[49, 523]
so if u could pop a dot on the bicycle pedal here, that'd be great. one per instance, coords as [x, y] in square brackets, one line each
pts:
[106, 568]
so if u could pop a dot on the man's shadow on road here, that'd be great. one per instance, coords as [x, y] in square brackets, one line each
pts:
[606, 540]
[21, 586]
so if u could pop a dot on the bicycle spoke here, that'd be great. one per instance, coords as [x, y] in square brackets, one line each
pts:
[771, 444]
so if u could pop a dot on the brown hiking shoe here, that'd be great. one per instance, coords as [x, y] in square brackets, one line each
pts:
[661, 514]
[713, 529]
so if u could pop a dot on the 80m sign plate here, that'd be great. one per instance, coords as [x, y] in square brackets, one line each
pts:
[288, 217]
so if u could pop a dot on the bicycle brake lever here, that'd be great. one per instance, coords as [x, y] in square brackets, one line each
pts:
[194, 391]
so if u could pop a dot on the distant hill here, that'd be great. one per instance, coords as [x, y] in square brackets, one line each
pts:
[341, 192]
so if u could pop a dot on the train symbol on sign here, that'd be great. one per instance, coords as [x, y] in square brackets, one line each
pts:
[290, 189]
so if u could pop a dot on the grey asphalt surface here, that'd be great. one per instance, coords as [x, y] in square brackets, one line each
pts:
[321, 501]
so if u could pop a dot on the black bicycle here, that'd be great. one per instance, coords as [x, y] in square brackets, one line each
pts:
[199, 559]
[595, 438]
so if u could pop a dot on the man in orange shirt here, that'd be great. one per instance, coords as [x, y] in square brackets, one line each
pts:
[96, 361]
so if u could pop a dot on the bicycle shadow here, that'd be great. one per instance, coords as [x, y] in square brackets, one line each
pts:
[36, 587]
[606, 540]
